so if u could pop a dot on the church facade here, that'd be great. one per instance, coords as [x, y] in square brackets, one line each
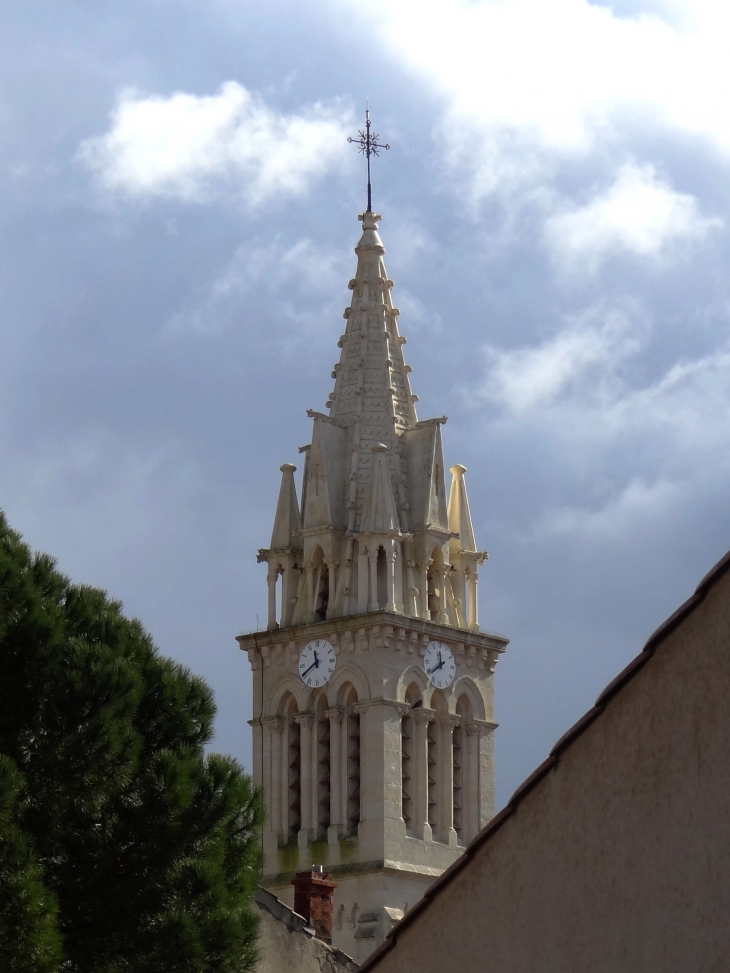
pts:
[373, 683]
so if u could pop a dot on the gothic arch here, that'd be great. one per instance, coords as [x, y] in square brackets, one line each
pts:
[289, 685]
[348, 672]
[412, 674]
[312, 698]
[466, 686]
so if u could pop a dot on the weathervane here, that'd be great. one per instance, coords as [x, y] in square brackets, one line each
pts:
[368, 145]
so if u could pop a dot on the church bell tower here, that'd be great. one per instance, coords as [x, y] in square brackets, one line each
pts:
[373, 684]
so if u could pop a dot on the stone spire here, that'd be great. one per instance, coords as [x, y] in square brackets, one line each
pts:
[372, 397]
[375, 530]
[284, 555]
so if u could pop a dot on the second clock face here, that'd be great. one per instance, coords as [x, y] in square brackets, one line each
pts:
[317, 662]
[438, 661]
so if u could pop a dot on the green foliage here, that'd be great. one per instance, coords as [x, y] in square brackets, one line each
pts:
[112, 809]
[29, 939]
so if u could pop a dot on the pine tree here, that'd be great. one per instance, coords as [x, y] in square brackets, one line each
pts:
[29, 939]
[147, 845]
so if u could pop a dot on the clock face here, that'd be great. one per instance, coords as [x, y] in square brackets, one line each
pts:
[317, 663]
[438, 661]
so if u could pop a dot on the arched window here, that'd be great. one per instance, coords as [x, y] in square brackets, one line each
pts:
[352, 744]
[294, 766]
[323, 765]
[435, 583]
[382, 578]
[413, 698]
[321, 584]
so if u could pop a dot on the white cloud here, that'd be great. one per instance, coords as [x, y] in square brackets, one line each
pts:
[637, 500]
[638, 213]
[628, 451]
[590, 348]
[311, 268]
[183, 145]
[578, 386]
[303, 282]
[525, 79]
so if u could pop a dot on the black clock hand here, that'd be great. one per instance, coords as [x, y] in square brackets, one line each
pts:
[431, 671]
[315, 663]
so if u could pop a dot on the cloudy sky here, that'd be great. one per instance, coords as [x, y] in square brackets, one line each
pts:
[178, 210]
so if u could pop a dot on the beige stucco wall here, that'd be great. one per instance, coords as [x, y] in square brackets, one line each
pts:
[619, 859]
[285, 947]
[367, 906]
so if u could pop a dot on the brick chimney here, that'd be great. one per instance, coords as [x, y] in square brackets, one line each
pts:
[313, 894]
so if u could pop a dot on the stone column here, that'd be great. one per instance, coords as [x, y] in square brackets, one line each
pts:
[471, 580]
[446, 779]
[425, 565]
[334, 715]
[401, 588]
[390, 555]
[289, 586]
[305, 721]
[471, 781]
[421, 718]
[256, 734]
[412, 596]
[271, 581]
[362, 579]
[272, 785]
[284, 764]
[483, 749]
[273, 726]
[381, 824]
[373, 604]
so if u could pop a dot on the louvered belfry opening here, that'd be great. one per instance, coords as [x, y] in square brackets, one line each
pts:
[323, 766]
[294, 768]
[413, 697]
[352, 738]
[432, 740]
[458, 754]
[406, 769]
[322, 584]
[382, 576]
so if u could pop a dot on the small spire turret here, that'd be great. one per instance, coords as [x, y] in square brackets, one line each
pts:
[287, 531]
[463, 553]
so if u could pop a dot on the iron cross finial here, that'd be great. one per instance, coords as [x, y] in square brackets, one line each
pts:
[368, 144]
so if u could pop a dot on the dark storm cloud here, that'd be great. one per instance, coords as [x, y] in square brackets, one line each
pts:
[566, 306]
